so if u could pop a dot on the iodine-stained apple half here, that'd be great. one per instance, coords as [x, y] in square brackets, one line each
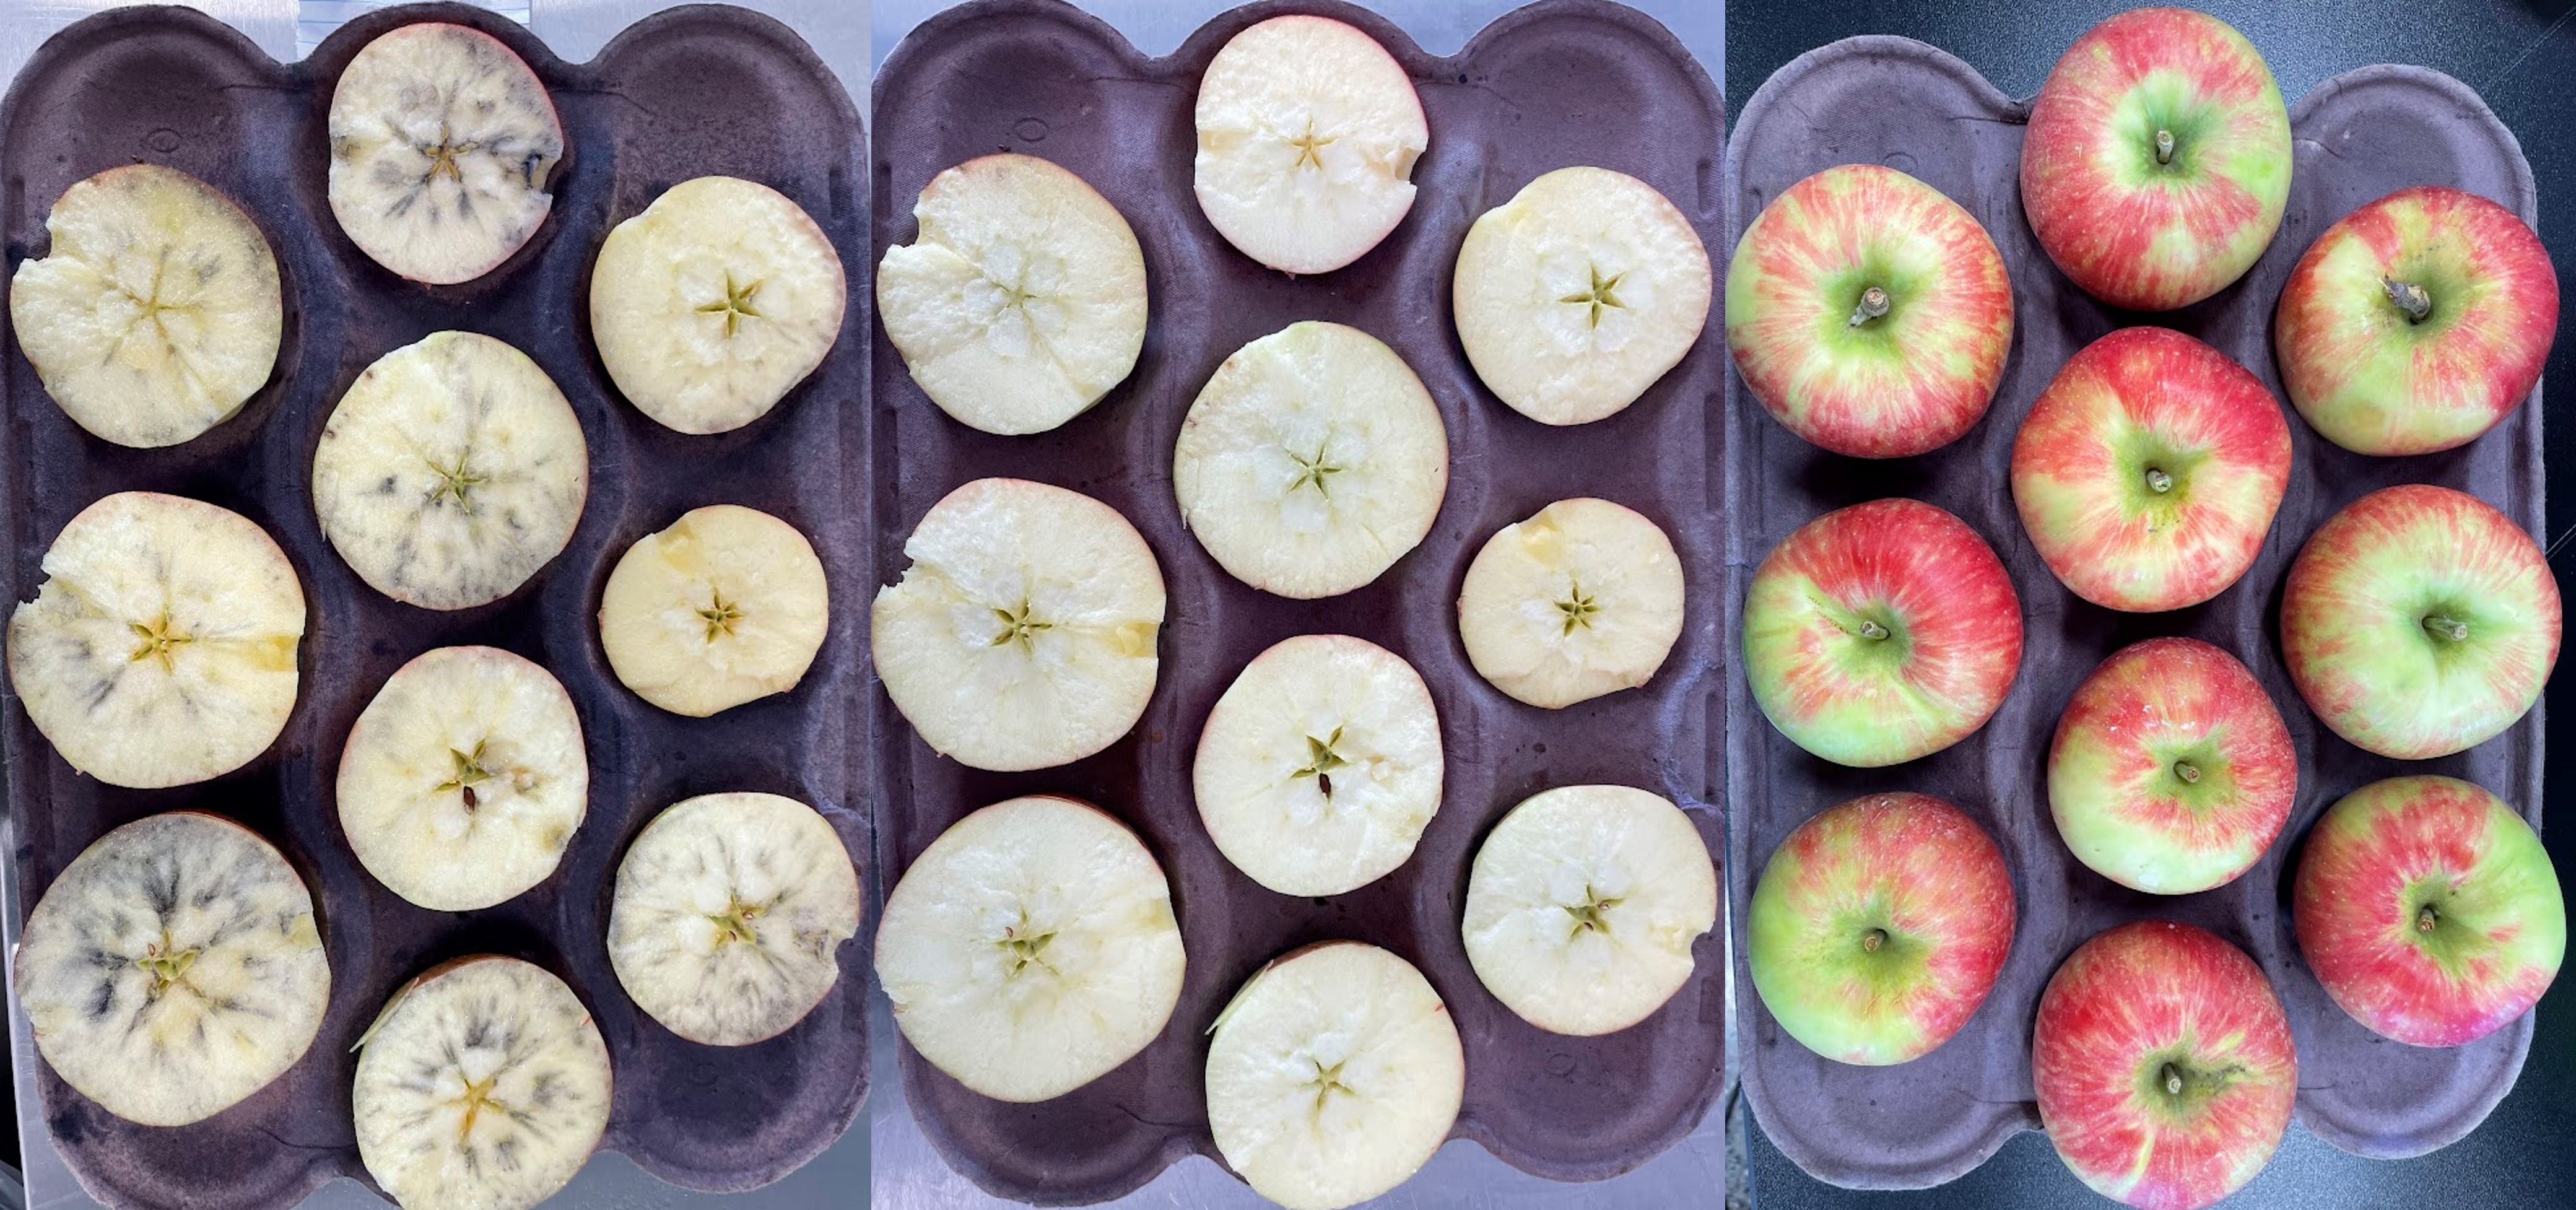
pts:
[1307, 132]
[2171, 771]
[2429, 910]
[2157, 159]
[2164, 1066]
[2419, 622]
[1881, 632]
[2148, 472]
[1869, 313]
[2417, 322]
[1879, 926]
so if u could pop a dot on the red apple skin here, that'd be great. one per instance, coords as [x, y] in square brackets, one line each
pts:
[2139, 1005]
[2138, 407]
[2429, 910]
[2374, 381]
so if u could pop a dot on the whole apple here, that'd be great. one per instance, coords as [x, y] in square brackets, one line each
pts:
[2157, 159]
[2164, 1066]
[1880, 633]
[2148, 471]
[1869, 313]
[1879, 926]
[2429, 910]
[2417, 322]
[2171, 771]
[2419, 622]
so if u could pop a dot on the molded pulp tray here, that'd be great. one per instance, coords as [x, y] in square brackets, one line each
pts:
[2360, 135]
[1559, 83]
[685, 93]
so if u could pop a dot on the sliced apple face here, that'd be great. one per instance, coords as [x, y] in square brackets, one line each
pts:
[160, 649]
[464, 779]
[1031, 948]
[726, 606]
[1583, 904]
[173, 968]
[1308, 131]
[1312, 461]
[441, 140]
[482, 1084]
[1320, 766]
[714, 302]
[451, 471]
[1576, 295]
[1582, 599]
[729, 916]
[1022, 635]
[1333, 1076]
[1021, 301]
[155, 313]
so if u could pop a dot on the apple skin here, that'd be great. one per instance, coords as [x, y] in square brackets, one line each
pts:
[2364, 601]
[1920, 876]
[2164, 1066]
[2117, 785]
[1893, 384]
[2397, 855]
[2124, 227]
[2374, 380]
[1949, 643]
[2138, 408]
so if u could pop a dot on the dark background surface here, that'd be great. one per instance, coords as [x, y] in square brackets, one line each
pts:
[2521, 56]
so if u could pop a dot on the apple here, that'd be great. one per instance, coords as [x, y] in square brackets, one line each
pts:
[2157, 159]
[1580, 599]
[2171, 771]
[729, 605]
[1881, 632]
[1307, 135]
[1879, 926]
[2148, 472]
[1869, 313]
[2428, 910]
[2419, 622]
[2417, 322]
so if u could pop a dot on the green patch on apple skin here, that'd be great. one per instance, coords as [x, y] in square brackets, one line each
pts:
[1826, 984]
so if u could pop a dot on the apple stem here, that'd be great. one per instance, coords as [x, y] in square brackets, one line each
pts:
[2158, 481]
[2427, 920]
[2413, 299]
[1872, 630]
[2173, 1081]
[1871, 940]
[2444, 627]
[1873, 303]
[2187, 771]
[2164, 146]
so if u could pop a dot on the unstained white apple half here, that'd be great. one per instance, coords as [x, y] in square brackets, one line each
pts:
[1580, 599]
[1307, 135]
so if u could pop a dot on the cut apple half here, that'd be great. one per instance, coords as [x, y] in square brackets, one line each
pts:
[1031, 948]
[1583, 905]
[1320, 766]
[727, 606]
[1021, 301]
[441, 141]
[1308, 131]
[1311, 461]
[161, 648]
[173, 969]
[1022, 635]
[1582, 599]
[1576, 295]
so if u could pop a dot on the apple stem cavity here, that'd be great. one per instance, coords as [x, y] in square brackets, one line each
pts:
[2443, 626]
[2164, 146]
[2189, 772]
[2409, 297]
[1873, 304]
[2158, 481]
[1873, 940]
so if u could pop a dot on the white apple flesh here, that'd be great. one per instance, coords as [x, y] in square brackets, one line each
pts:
[1582, 599]
[727, 606]
[1307, 135]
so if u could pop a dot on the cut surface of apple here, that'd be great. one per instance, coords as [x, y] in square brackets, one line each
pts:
[1583, 904]
[155, 312]
[727, 606]
[173, 969]
[1311, 461]
[1576, 295]
[1021, 301]
[1582, 599]
[161, 648]
[1320, 766]
[441, 141]
[1022, 634]
[1308, 131]
[1031, 948]
[729, 915]
[482, 1084]
[714, 302]
[464, 779]
[451, 471]
[1333, 1076]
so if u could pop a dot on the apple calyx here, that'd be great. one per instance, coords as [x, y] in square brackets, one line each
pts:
[1873, 304]
[2164, 146]
[2409, 297]
[2444, 626]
